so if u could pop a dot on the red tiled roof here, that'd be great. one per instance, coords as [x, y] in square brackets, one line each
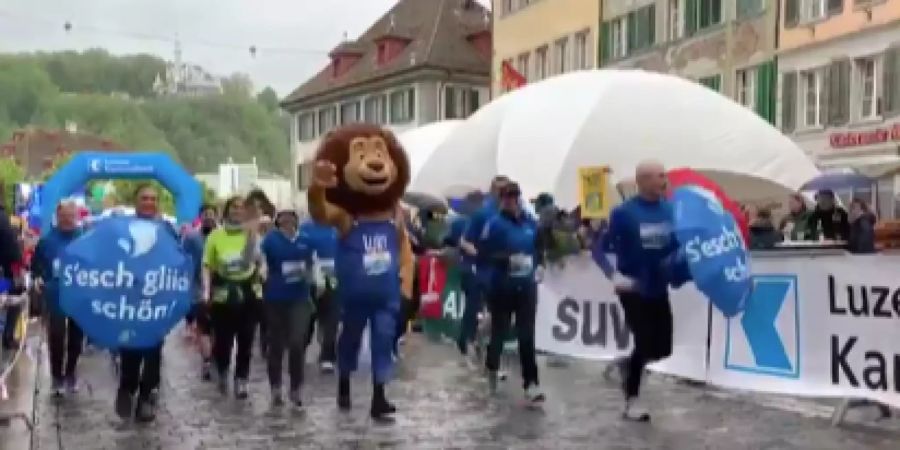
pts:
[438, 32]
[37, 149]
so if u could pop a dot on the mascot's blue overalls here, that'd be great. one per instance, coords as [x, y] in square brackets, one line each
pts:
[367, 266]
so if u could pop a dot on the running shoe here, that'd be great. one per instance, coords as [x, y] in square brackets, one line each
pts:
[145, 411]
[206, 371]
[326, 367]
[534, 395]
[277, 398]
[493, 379]
[635, 411]
[295, 398]
[124, 407]
[71, 385]
[222, 383]
[240, 389]
[58, 389]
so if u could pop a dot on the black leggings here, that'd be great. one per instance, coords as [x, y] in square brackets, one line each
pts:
[520, 302]
[233, 323]
[650, 321]
[64, 341]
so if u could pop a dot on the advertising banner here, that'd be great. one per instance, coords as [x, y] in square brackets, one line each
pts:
[824, 326]
[579, 315]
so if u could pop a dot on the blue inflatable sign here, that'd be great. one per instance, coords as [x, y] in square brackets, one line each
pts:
[716, 252]
[134, 291]
[86, 166]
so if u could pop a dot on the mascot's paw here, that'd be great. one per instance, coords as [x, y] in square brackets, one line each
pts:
[325, 174]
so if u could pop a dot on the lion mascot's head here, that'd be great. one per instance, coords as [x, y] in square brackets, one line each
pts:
[372, 168]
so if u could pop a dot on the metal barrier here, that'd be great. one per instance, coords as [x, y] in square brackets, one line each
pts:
[7, 301]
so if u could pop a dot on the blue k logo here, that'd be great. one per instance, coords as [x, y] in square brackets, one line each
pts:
[765, 339]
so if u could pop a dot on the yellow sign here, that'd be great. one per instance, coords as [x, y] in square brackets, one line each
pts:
[593, 183]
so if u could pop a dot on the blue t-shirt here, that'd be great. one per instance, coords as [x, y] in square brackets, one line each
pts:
[368, 264]
[322, 238]
[193, 244]
[511, 244]
[641, 235]
[454, 236]
[474, 234]
[288, 261]
[45, 263]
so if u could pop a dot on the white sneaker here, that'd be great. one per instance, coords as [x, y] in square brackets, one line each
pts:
[492, 382]
[502, 375]
[534, 395]
[326, 367]
[635, 411]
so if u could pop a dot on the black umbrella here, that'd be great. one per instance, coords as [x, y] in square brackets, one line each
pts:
[425, 202]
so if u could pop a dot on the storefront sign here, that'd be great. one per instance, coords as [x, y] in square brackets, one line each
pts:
[868, 137]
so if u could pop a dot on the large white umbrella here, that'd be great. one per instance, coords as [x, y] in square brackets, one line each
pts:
[420, 143]
[467, 158]
[618, 118]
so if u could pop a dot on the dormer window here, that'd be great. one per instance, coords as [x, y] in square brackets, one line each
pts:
[344, 57]
[389, 47]
[483, 42]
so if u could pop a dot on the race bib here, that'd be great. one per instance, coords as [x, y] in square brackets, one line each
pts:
[376, 263]
[233, 264]
[521, 265]
[293, 271]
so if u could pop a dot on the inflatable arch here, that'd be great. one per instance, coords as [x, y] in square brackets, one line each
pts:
[86, 166]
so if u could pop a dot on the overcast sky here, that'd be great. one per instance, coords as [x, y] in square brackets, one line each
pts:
[293, 37]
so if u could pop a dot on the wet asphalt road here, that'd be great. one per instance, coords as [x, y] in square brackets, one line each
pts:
[442, 405]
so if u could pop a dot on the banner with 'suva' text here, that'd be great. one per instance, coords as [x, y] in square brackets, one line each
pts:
[813, 326]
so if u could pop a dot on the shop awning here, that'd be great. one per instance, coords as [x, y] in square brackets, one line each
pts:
[875, 166]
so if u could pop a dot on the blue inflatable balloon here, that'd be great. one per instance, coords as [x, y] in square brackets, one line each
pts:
[126, 282]
[715, 250]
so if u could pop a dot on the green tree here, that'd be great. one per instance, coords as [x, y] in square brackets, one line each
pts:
[238, 85]
[268, 98]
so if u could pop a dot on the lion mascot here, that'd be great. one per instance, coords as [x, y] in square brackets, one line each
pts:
[360, 174]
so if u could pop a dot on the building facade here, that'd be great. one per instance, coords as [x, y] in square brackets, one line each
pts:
[839, 69]
[542, 38]
[727, 45]
[422, 62]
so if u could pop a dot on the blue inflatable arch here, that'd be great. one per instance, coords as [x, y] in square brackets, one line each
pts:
[93, 165]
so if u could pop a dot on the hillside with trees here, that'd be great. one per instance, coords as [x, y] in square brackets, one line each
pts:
[112, 96]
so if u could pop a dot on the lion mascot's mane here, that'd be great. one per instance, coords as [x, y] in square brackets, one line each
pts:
[335, 148]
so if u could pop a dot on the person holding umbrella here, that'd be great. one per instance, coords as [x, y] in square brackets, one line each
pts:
[829, 221]
[641, 235]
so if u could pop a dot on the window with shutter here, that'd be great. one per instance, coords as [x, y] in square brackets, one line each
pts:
[791, 13]
[690, 17]
[891, 81]
[631, 32]
[835, 7]
[606, 43]
[839, 92]
[788, 102]
[765, 91]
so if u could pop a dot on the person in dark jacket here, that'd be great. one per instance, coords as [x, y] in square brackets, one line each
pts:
[763, 234]
[862, 228]
[795, 225]
[510, 241]
[828, 220]
[65, 337]
[11, 269]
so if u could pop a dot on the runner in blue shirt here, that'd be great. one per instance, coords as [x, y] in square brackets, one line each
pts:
[641, 235]
[288, 255]
[510, 241]
[324, 241]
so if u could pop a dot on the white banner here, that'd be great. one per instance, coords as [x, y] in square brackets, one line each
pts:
[822, 326]
[579, 315]
[819, 326]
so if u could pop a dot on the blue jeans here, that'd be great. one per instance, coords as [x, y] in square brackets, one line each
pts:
[474, 293]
